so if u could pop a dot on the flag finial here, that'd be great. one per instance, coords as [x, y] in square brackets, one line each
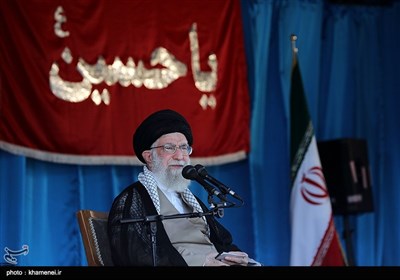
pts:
[293, 39]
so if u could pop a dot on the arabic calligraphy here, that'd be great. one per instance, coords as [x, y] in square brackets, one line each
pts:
[131, 73]
[10, 255]
[60, 19]
[136, 75]
[208, 101]
[204, 81]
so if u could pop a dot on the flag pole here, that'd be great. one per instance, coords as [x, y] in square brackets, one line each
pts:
[314, 240]
[347, 232]
[293, 39]
[295, 50]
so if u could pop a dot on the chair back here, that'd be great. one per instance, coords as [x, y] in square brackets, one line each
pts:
[93, 227]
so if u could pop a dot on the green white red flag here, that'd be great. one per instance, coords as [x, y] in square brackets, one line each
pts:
[314, 240]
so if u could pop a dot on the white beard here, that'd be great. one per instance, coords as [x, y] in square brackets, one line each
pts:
[172, 179]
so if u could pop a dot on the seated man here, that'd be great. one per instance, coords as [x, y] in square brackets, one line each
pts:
[163, 143]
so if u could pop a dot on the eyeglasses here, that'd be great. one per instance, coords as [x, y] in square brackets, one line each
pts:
[171, 149]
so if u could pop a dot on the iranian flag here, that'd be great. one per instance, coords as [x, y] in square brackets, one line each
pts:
[314, 240]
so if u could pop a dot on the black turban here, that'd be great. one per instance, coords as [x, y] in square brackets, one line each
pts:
[155, 126]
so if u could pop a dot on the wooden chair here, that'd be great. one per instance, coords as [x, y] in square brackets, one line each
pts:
[93, 227]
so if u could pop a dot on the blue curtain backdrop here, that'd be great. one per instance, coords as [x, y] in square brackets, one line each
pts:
[349, 58]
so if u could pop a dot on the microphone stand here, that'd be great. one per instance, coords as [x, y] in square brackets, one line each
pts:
[218, 207]
[152, 221]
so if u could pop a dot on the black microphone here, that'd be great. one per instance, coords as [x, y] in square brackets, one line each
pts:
[204, 174]
[190, 173]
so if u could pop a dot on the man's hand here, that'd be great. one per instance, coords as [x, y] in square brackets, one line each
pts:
[236, 258]
[212, 261]
[230, 258]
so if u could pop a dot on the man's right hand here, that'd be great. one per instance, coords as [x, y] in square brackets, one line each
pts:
[212, 261]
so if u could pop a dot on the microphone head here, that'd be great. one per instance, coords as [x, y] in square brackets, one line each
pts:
[189, 172]
[201, 170]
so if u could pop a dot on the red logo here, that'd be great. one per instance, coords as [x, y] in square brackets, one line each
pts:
[313, 186]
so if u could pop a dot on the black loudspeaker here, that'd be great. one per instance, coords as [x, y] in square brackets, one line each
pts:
[346, 169]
